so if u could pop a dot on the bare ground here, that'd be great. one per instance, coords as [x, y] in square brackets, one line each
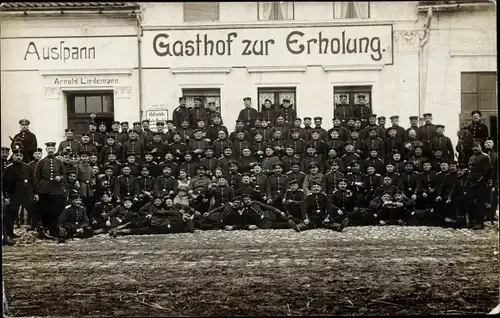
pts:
[362, 271]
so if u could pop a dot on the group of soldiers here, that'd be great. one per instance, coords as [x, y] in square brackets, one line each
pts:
[274, 170]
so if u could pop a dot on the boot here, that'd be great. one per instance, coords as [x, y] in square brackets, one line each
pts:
[342, 225]
[113, 233]
[190, 225]
[294, 225]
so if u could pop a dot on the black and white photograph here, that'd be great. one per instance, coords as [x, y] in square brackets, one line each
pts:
[248, 158]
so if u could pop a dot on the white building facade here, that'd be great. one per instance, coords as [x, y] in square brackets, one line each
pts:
[128, 66]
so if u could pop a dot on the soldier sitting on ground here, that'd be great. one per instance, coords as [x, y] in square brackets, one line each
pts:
[73, 221]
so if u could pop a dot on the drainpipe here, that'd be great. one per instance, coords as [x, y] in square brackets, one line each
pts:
[139, 61]
[421, 79]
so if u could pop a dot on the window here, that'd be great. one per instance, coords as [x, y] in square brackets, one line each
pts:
[276, 10]
[276, 96]
[82, 104]
[207, 95]
[201, 11]
[479, 92]
[351, 10]
[352, 93]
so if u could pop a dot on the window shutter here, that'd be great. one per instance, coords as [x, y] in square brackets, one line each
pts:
[201, 11]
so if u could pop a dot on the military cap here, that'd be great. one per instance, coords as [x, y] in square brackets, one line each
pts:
[149, 153]
[131, 155]
[354, 162]
[144, 166]
[169, 121]
[361, 96]
[188, 153]
[343, 95]
[17, 145]
[394, 117]
[286, 100]
[116, 122]
[69, 130]
[408, 162]
[239, 120]
[293, 130]
[211, 103]
[85, 134]
[307, 118]
[136, 123]
[318, 118]
[381, 117]
[293, 181]
[5, 149]
[476, 112]
[50, 144]
[373, 149]
[278, 164]
[102, 123]
[93, 123]
[182, 98]
[342, 180]
[197, 99]
[127, 198]
[247, 98]
[313, 165]
[38, 150]
[267, 100]
[373, 116]
[315, 183]
[201, 167]
[124, 123]
[392, 128]
[427, 115]
[198, 130]
[233, 162]
[245, 195]
[157, 133]
[145, 121]
[295, 162]
[74, 195]
[108, 167]
[130, 131]
[110, 136]
[440, 126]
[24, 122]
[84, 153]
[476, 142]
[413, 117]
[297, 119]
[451, 162]
[353, 132]
[93, 154]
[351, 118]
[17, 151]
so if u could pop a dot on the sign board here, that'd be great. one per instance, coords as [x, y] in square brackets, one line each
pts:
[155, 115]
[69, 53]
[337, 45]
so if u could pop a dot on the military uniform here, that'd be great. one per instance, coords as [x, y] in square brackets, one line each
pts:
[477, 195]
[292, 202]
[180, 114]
[478, 129]
[28, 141]
[124, 187]
[196, 114]
[72, 219]
[248, 115]
[100, 215]
[134, 147]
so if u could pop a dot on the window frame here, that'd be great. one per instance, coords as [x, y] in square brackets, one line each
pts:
[204, 93]
[195, 21]
[276, 4]
[71, 96]
[339, 2]
[478, 92]
[276, 91]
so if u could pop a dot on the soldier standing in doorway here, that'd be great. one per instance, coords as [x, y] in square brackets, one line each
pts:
[362, 111]
[248, 115]
[28, 140]
[181, 113]
[343, 110]
[477, 128]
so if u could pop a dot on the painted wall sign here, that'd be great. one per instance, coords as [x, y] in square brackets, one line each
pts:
[85, 80]
[69, 53]
[271, 47]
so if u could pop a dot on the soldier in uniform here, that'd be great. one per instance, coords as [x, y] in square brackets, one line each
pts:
[28, 140]
[147, 133]
[477, 128]
[215, 127]
[70, 142]
[248, 115]
[124, 184]
[18, 186]
[342, 131]
[5, 157]
[445, 206]
[477, 194]
[443, 143]
[427, 132]
[277, 186]
[489, 149]
[307, 129]
[134, 146]
[198, 112]
[343, 110]
[381, 124]
[85, 176]
[268, 112]
[115, 130]
[37, 155]
[400, 131]
[181, 113]
[372, 124]
[86, 145]
[289, 114]
[123, 135]
[94, 135]
[344, 200]
[314, 176]
[332, 178]
[73, 220]
[362, 111]
[319, 212]
[49, 178]
[292, 201]
[413, 126]
[323, 135]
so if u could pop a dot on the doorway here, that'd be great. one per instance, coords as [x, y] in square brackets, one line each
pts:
[82, 104]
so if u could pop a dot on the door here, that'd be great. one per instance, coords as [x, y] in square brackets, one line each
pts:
[82, 104]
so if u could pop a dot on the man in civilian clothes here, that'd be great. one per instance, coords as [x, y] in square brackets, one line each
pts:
[477, 194]
[181, 113]
[28, 140]
[248, 115]
[49, 177]
[477, 128]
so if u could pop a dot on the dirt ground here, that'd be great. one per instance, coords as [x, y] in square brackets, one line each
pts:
[362, 271]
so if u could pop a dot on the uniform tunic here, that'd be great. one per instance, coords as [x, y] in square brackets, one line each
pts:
[29, 142]
[479, 131]
[75, 146]
[180, 114]
[46, 171]
[72, 218]
[248, 116]
[124, 186]
[331, 181]
[443, 143]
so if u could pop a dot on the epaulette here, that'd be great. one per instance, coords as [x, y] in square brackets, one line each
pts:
[310, 193]
[10, 164]
[377, 174]
[67, 206]
[301, 190]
